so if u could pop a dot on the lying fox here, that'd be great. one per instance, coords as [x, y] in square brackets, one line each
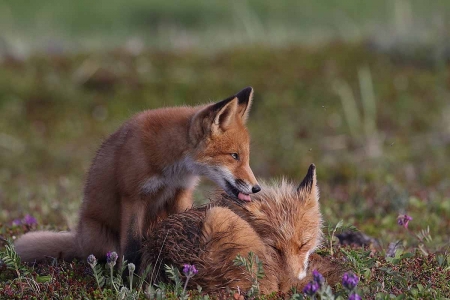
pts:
[282, 225]
[148, 170]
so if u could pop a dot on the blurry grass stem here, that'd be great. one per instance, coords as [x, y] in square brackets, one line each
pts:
[363, 128]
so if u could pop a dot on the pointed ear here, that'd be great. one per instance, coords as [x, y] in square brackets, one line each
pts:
[223, 117]
[245, 98]
[309, 184]
[213, 119]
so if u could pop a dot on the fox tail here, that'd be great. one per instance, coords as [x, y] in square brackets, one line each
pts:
[41, 245]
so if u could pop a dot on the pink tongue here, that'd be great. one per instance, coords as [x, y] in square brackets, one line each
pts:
[244, 197]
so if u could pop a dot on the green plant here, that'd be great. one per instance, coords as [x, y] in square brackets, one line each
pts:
[361, 260]
[332, 230]
[254, 267]
[116, 280]
[97, 271]
[174, 275]
[12, 261]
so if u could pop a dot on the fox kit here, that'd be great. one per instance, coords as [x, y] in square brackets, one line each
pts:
[288, 221]
[282, 225]
[146, 171]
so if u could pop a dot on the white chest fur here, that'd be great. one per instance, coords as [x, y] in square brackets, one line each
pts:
[180, 175]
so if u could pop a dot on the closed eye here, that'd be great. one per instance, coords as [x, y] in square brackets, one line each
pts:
[304, 244]
[278, 251]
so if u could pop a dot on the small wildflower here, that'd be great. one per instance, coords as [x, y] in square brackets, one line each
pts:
[354, 296]
[194, 270]
[111, 258]
[189, 270]
[92, 261]
[350, 280]
[123, 292]
[403, 220]
[186, 269]
[131, 268]
[16, 222]
[311, 288]
[29, 220]
[317, 277]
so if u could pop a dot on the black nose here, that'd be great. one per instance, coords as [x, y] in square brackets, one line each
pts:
[256, 189]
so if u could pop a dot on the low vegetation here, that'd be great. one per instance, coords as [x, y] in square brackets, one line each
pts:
[374, 123]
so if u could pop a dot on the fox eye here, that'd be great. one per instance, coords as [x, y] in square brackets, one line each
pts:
[303, 245]
[235, 156]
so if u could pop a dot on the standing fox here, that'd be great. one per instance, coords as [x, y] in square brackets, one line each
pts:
[146, 171]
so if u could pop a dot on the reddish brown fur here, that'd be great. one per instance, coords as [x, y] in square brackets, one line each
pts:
[280, 225]
[147, 170]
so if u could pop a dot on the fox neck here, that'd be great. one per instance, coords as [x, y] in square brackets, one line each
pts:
[181, 174]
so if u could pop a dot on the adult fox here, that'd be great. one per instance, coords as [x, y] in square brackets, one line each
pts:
[146, 171]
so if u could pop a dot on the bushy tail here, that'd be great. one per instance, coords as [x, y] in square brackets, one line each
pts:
[40, 245]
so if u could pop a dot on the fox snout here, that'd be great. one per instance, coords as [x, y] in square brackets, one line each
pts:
[256, 188]
[243, 186]
[242, 189]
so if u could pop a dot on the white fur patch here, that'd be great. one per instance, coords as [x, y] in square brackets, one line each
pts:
[302, 274]
[220, 175]
[152, 185]
[181, 175]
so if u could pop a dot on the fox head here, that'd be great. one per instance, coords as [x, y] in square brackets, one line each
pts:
[306, 223]
[221, 144]
[288, 220]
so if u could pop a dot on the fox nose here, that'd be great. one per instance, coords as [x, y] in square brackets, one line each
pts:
[256, 189]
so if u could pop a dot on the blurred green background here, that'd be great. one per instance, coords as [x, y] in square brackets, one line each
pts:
[360, 88]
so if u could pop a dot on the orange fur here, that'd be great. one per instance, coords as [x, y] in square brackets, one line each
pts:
[147, 170]
[282, 225]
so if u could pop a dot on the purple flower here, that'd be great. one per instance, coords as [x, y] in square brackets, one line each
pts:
[349, 281]
[186, 269]
[354, 296]
[194, 270]
[92, 261]
[311, 288]
[29, 220]
[16, 222]
[403, 220]
[111, 258]
[317, 277]
[189, 270]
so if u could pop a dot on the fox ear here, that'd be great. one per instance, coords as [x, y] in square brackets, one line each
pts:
[213, 119]
[245, 99]
[309, 184]
[223, 117]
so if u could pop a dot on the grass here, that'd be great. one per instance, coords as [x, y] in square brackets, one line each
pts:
[68, 25]
[376, 127]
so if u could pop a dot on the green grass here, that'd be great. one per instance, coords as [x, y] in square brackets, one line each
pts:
[216, 24]
[377, 129]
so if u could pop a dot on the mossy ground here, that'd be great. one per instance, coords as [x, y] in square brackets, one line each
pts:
[376, 127]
